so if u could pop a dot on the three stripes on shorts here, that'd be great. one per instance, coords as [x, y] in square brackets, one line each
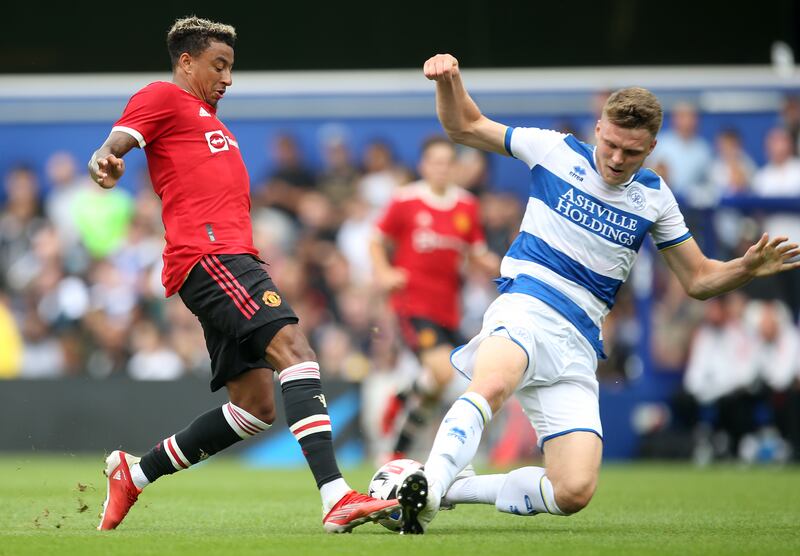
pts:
[230, 285]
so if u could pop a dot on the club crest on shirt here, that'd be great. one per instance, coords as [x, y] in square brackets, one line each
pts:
[636, 197]
[461, 222]
[271, 298]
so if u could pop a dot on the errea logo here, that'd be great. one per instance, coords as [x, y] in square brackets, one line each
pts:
[578, 173]
[217, 142]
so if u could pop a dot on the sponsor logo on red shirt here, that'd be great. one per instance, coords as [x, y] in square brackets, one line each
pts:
[217, 141]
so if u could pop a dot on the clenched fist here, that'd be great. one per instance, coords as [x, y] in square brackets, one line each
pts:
[442, 67]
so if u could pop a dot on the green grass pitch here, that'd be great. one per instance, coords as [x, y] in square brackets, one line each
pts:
[49, 505]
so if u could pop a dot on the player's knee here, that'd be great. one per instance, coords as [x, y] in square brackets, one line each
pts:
[494, 390]
[260, 409]
[575, 493]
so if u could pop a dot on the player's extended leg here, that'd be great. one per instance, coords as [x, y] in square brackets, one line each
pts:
[250, 411]
[424, 395]
[499, 367]
[307, 415]
[564, 487]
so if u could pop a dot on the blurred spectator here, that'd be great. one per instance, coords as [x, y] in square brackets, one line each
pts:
[777, 347]
[622, 335]
[731, 174]
[339, 357]
[721, 374]
[353, 239]
[382, 175]
[19, 221]
[777, 361]
[42, 353]
[339, 176]
[102, 217]
[186, 337]
[780, 177]
[596, 103]
[60, 205]
[732, 169]
[472, 170]
[501, 214]
[11, 340]
[290, 178]
[675, 316]
[316, 216]
[790, 120]
[684, 157]
[152, 359]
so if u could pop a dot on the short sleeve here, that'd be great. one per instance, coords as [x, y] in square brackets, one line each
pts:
[147, 114]
[531, 144]
[391, 222]
[670, 228]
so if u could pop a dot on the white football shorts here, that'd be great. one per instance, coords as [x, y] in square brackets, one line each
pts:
[559, 391]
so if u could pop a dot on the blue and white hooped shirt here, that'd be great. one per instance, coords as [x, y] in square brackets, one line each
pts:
[579, 237]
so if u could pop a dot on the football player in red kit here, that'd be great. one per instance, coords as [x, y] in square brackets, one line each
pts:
[197, 170]
[430, 225]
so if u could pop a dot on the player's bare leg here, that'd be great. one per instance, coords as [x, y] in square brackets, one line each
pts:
[572, 464]
[499, 366]
[422, 398]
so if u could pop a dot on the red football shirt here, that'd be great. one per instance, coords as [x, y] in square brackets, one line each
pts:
[431, 234]
[197, 171]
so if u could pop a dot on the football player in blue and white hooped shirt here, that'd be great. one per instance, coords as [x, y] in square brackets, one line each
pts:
[589, 211]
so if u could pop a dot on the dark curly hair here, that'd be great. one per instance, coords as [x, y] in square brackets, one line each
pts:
[193, 35]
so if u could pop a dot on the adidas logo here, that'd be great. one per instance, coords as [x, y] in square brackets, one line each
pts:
[118, 475]
[203, 113]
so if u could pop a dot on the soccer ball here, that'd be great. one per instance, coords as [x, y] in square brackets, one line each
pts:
[384, 485]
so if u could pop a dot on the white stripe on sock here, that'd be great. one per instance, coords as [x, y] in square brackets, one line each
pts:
[243, 423]
[310, 419]
[178, 451]
[166, 446]
[313, 430]
[300, 371]
[311, 425]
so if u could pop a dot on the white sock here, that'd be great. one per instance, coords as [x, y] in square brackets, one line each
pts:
[138, 477]
[480, 489]
[332, 492]
[527, 491]
[457, 441]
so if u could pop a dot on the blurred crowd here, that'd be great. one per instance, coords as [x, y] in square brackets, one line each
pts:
[80, 267]
[80, 290]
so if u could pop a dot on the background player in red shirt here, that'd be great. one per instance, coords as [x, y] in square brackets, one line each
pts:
[431, 225]
[198, 172]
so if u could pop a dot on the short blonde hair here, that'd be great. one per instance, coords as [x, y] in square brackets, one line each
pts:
[193, 35]
[634, 108]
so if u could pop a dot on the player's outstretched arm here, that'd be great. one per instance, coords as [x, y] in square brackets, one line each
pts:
[106, 166]
[460, 116]
[703, 278]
